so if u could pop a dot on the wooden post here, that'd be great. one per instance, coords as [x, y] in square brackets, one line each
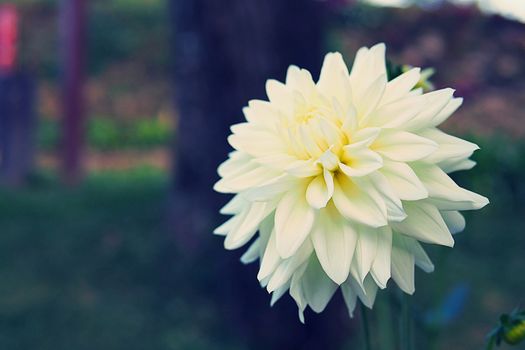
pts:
[73, 43]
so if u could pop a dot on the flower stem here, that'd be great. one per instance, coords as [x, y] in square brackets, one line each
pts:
[406, 323]
[366, 330]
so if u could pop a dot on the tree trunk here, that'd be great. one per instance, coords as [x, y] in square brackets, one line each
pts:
[73, 43]
[224, 50]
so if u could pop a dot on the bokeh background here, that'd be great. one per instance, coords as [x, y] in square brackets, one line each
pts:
[114, 116]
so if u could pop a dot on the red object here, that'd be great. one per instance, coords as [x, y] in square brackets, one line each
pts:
[8, 37]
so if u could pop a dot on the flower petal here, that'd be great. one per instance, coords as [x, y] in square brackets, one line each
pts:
[445, 193]
[365, 251]
[252, 254]
[381, 267]
[294, 219]
[403, 264]
[449, 147]
[334, 80]
[434, 102]
[334, 244]
[286, 268]
[425, 223]
[394, 207]
[248, 224]
[447, 111]
[454, 220]
[320, 190]
[318, 288]
[359, 161]
[404, 181]
[362, 206]
[398, 87]
[403, 146]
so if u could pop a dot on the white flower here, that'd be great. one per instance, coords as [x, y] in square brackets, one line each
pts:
[342, 179]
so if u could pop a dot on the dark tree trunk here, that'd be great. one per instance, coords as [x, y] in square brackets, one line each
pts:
[17, 127]
[224, 50]
[73, 43]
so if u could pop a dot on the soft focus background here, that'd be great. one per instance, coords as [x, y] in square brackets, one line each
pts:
[114, 115]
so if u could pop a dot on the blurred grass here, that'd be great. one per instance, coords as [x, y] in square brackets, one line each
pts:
[87, 268]
[104, 134]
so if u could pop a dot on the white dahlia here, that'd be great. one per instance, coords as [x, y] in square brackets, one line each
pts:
[342, 179]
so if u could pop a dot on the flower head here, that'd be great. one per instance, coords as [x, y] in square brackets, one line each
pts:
[342, 179]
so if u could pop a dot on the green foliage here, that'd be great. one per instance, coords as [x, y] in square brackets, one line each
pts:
[93, 268]
[121, 29]
[106, 134]
[103, 134]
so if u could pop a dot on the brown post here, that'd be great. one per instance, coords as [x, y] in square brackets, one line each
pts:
[73, 37]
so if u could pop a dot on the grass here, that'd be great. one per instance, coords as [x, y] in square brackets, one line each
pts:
[87, 268]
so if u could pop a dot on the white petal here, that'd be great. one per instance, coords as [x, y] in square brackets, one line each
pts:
[398, 87]
[451, 165]
[276, 161]
[370, 99]
[297, 292]
[261, 113]
[304, 168]
[287, 267]
[394, 206]
[449, 147]
[425, 223]
[318, 288]
[237, 163]
[364, 206]
[270, 260]
[271, 189]
[234, 206]
[365, 251]
[403, 146]
[420, 256]
[382, 263]
[396, 114]
[248, 224]
[301, 81]
[294, 219]
[403, 264]
[434, 101]
[359, 161]
[280, 95]
[368, 65]
[329, 160]
[350, 298]
[446, 112]
[334, 81]
[366, 292]
[445, 193]
[257, 143]
[227, 226]
[454, 220]
[320, 190]
[278, 293]
[334, 244]
[365, 136]
[252, 254]
[403, 180]
[241, 181]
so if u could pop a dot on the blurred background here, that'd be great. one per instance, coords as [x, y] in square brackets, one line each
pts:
[114, 116]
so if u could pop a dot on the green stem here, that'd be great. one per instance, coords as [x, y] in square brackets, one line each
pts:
[366, 330]
[406, 323]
